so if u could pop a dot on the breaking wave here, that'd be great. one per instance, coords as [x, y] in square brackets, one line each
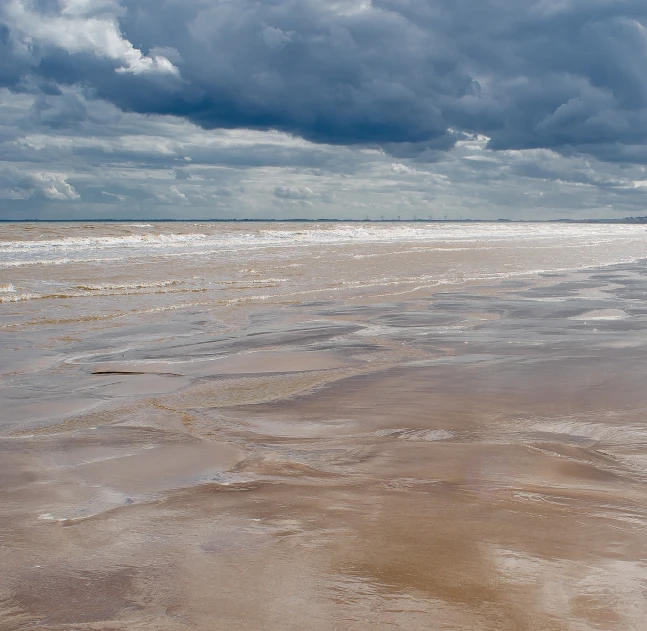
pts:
[216, 238]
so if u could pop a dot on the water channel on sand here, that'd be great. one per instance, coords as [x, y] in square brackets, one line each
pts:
[441, 447]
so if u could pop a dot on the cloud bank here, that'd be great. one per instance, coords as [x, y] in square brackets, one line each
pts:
[550, 95]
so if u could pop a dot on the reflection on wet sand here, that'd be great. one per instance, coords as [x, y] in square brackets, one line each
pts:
[473, 459]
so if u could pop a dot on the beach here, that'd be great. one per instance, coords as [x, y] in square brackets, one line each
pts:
[323, 426]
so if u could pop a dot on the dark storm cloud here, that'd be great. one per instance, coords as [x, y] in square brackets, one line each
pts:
[408, 76]
[335, 108]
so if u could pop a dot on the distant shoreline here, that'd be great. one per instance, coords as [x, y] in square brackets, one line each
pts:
[625, 220]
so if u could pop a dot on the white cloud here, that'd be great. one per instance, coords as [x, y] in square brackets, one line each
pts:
[55, 186]
[288, 192]
[76, 30]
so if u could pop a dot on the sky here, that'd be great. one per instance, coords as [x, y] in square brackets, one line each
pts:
[135, 109]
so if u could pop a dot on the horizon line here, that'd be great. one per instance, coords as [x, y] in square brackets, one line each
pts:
[637, 219]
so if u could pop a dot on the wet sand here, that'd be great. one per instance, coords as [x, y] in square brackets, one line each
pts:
[472, 459]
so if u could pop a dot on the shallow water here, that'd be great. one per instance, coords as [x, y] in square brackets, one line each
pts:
[304, 426]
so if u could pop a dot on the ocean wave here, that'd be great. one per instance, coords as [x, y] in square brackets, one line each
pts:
[127, 286]
[58, 261]
[318, 234]
[91, 243]
[17, 297]
[252, 281]
[62, 295]
[219, 240]
[439, 232]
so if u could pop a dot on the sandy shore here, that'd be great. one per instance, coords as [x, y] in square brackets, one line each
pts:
[472, 459]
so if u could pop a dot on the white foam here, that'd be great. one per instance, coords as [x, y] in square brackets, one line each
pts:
[17, 297]
[602, 314]
[377, 330]
[124, 290]
[404, 433]
[90, 243]
[126, 286]
[57, 261]
[613, 432]
[219, 239]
